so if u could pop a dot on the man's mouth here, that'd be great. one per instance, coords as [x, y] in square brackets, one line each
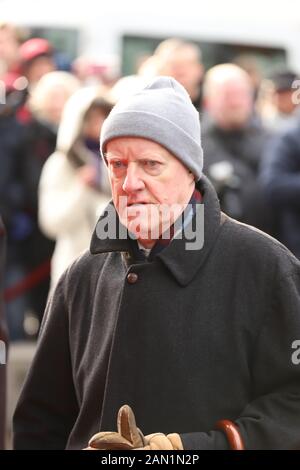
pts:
[136, 204]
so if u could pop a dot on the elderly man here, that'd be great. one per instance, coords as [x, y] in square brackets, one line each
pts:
[186, 331]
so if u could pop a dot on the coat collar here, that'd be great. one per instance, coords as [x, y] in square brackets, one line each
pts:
[182, 263]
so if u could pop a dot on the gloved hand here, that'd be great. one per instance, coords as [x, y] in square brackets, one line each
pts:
[160, 441]
[128, 435]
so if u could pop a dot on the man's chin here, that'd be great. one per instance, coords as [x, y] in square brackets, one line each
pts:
[142, 231]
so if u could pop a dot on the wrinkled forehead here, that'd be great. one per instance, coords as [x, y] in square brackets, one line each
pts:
[230, 85]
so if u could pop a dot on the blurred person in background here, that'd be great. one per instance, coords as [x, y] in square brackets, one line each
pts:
[234, 140]
[281, 181]
[10, 66]
[12, 197]
[10, 40]
[16, 85]
[3, 338]
[82, 69]
[74, 186]
[46, 103]
[282, 109]
[181, 60]
[91, 72]
[36, 59]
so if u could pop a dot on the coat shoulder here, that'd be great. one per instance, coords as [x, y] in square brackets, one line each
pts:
[253, 245]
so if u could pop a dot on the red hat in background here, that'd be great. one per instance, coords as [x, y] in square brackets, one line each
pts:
[33, 48]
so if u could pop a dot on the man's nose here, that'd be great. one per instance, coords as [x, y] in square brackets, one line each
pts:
[133, 180]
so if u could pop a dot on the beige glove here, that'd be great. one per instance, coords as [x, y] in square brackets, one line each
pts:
[130, 437]
[160, 441]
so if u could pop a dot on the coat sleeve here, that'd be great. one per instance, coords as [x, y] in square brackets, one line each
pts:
[271, 419]
[47, 407]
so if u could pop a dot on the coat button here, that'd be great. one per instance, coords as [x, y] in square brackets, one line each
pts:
[132, 278]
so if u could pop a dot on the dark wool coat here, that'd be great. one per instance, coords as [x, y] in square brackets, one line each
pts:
[194, 337]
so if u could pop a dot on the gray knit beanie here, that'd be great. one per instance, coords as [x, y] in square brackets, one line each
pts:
[162, 112]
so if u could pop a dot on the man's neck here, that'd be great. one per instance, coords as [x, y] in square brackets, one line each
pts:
[147, 243]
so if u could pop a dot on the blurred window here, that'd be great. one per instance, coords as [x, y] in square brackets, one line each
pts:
[136, 48]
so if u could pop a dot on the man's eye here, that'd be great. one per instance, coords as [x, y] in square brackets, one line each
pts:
[117, 164]
[151, 163]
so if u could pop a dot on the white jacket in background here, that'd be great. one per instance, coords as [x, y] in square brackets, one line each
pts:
[69, 209]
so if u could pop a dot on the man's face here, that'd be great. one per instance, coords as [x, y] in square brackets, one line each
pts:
[284, 102]
[186, 68]
[8, 47]
[38, 68]
[231, 103]
[150, 187]
[54, 102]
[93, 122]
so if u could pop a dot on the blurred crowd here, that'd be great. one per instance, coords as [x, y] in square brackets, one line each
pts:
[52, 182]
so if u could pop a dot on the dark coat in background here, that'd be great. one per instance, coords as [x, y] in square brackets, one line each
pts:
[237, 184]
[12, 190]
[194, 337]
[3, 337]
[281, 180]
[38, 144]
